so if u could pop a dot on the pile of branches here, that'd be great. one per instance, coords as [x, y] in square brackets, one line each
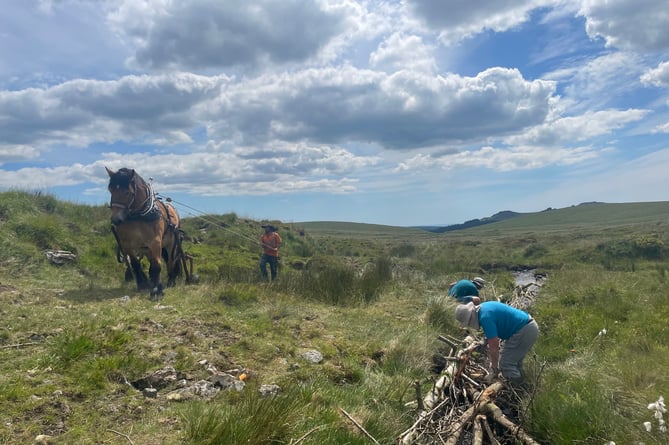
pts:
[466, 406]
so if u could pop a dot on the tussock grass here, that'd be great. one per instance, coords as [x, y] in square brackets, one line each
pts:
[245, 418]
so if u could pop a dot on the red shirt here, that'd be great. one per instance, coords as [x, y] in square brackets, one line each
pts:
[271, 242]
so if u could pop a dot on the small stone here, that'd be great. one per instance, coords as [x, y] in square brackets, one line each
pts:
[150, 393]
[43, 439]
[312, 356]
[269, 390]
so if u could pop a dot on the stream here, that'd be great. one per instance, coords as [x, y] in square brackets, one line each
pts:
[528, 283]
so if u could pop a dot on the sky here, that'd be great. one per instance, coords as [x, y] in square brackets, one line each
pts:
[395, 112]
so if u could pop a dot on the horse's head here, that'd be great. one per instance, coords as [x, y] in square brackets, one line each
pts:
[123, 189]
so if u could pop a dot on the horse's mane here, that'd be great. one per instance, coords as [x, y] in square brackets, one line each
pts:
[122, 178]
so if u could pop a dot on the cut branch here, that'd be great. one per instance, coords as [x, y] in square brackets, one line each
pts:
[359, 427]
[517, 431]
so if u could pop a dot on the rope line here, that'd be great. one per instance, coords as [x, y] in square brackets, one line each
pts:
[209, 220]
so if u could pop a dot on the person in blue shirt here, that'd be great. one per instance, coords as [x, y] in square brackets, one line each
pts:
[465, 291]
[505, 327]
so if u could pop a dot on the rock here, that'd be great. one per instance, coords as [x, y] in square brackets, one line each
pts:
[312, 356]
[201, 388]
[150, 393]
[269, 390]
[60, 256]
[227, 381]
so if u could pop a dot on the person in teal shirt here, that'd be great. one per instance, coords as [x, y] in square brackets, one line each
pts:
[510, 334]
[465, 291]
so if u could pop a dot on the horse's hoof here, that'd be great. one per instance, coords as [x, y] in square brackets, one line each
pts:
[156, 293]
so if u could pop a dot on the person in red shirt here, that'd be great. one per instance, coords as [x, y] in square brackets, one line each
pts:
[270, 241]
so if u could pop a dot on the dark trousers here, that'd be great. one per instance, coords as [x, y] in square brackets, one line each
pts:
[273, 265]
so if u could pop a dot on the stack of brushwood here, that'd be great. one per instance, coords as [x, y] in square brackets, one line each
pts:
[463, 407]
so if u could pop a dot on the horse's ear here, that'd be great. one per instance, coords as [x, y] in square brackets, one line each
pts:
[109, 172]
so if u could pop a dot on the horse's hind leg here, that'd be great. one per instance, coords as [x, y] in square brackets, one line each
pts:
[128, 274]
[140, 276]
[174, 272]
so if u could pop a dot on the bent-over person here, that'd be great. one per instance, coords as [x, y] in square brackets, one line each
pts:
[510, 334]
[465, 291]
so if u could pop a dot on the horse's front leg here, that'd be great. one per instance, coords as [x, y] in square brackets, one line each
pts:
[154, 274]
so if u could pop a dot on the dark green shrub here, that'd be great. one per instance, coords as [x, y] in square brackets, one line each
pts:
[649, 246]
[535, 250]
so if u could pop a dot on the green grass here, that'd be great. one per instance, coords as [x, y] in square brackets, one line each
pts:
[370, 298]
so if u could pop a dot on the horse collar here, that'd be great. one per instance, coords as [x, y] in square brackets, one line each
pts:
[148, 208]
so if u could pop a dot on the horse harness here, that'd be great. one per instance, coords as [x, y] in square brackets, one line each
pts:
[148, 211]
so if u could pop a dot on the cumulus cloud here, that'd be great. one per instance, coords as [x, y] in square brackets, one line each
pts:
[80, 112]
[400, 52]
[663, 128]
[639, 25]
[282, 168]
[403, 110]
[500, 159]
[572, 129]
[201, 34]
[459, 19]
[14, 153]
[658, 77]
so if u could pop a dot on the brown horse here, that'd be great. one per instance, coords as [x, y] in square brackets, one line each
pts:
[145, 226]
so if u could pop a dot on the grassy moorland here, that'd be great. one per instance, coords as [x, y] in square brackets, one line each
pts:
[78, 344]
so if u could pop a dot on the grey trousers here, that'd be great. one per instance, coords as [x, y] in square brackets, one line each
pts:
[515, 349]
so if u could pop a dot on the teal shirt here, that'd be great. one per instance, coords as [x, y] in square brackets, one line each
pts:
[501, 320]
[463, 291]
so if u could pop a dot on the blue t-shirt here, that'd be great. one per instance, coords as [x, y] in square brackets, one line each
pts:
[463, 291]
[501, 320]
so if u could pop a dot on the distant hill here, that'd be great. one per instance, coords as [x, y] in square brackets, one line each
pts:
[499, 216]
[598, 210]
[584, 216]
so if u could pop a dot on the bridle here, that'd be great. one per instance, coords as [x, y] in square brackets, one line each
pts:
[144, 209]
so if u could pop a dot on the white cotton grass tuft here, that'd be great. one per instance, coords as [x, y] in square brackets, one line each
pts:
[659, 409]
[602, 332]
